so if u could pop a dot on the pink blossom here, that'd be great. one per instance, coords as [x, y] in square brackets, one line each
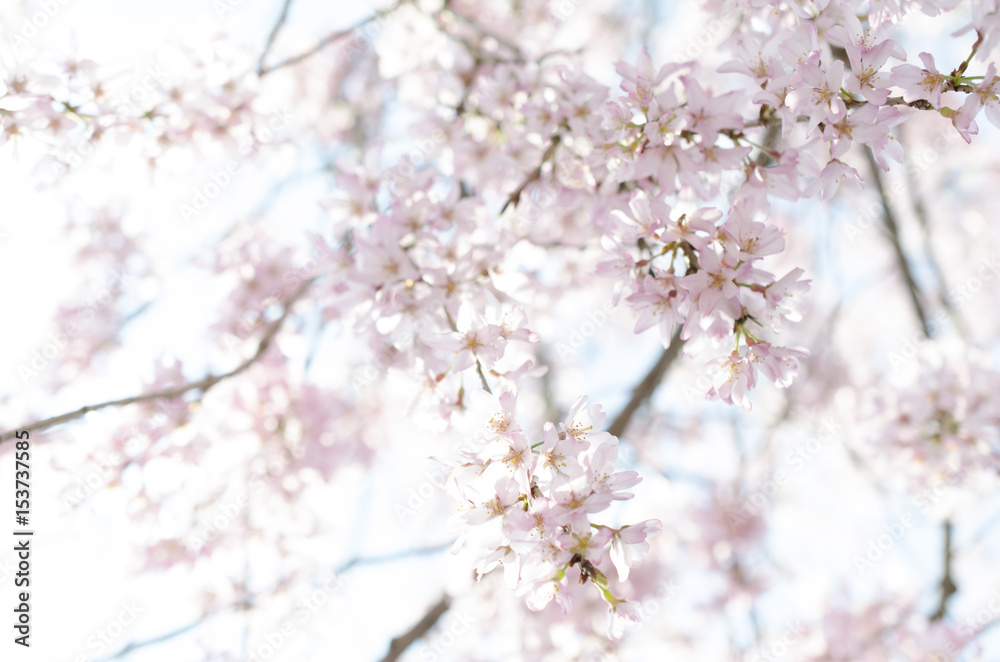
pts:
[927, 83]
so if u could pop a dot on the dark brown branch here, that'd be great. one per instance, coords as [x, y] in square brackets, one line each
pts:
[948, 587]
[271, 37]
[203, 384]
[891, 225]
[399, 645]
[648, 385]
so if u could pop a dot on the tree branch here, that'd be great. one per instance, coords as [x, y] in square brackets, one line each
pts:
[893, 230]
[203, 384]
[535, 174]
[647, 386]
[389, 558]
[948, 587]
[399, 645]
[329, 39]
[246, 604]
[920, 211]
[271, 37]
[166, 636]
[482, 377]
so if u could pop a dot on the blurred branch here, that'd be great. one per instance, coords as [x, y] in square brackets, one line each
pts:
[247, 604]
[166, 636]
[947, 584]
[648, 385]
[329, 39]
[892, 227]
[271, 37]
[482, 377]
[488, 33]
[399, 645]
[920, 211]
[548, 395]
[535, 174]
[948, 587]
[203, 384]
[389, 558]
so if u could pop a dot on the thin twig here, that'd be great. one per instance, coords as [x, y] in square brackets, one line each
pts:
[535, 174]
[394, 556]
[892, 227]
[947, 584]
[512, 47]
[271, 37]
[648, 385]
[203, 384]
[166, 636]
[329, 39]
[482, 377]
[246, 604]
[920, 211]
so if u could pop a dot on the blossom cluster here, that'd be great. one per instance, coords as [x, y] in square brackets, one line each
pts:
[702, 276]
[528, 506]
[944, 421]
